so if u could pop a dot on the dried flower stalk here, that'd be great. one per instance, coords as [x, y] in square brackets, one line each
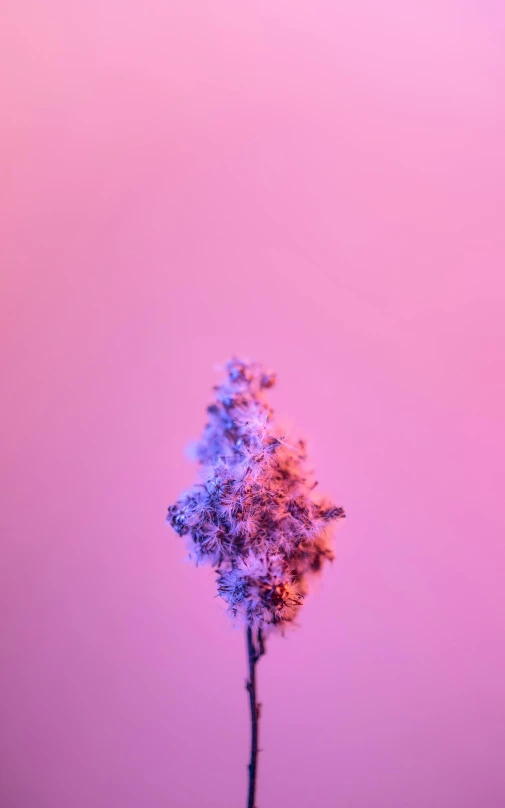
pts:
[254, 516]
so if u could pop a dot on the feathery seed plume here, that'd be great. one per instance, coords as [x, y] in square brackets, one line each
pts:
[254, 515]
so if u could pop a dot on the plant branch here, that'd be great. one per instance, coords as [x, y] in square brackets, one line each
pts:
[254, 651]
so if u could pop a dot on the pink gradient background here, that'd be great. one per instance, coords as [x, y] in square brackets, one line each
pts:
[320, 185]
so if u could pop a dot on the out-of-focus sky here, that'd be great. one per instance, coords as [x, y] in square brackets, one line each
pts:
[321, 186]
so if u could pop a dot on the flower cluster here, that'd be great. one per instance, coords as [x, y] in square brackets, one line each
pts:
[254, 516]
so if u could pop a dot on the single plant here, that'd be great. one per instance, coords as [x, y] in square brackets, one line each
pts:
[254, 517]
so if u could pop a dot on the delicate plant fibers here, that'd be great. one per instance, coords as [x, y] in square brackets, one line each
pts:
[254, 516]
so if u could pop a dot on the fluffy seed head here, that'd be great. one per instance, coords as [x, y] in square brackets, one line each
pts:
[254, 515]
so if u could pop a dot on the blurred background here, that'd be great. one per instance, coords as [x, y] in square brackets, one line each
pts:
[320, 186]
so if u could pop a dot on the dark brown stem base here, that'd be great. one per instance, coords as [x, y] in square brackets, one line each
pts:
[255, 649]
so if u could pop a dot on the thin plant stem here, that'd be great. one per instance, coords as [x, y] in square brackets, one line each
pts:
[254, 652]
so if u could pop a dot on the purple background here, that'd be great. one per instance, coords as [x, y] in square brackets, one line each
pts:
[318, 185]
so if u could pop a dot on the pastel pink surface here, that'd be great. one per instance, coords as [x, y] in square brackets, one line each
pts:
[319, 186]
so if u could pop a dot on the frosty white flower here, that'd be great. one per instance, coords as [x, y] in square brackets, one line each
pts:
[254, 515]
